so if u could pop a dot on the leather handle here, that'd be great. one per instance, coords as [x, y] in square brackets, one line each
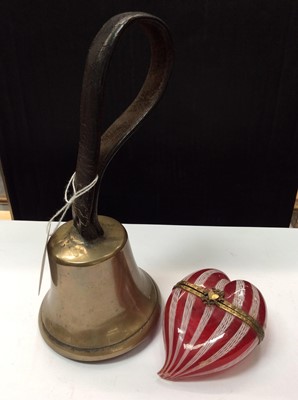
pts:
[96, 149]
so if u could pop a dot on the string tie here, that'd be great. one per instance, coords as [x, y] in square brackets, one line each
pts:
[69, 200]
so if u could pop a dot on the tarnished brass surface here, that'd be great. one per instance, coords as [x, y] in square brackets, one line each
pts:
[100, 304]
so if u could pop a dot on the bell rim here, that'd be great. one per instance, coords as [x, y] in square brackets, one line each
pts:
[142, 334]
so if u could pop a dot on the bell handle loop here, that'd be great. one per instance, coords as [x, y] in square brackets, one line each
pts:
[96, 149]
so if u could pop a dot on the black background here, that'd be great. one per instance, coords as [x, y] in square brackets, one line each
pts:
[221, 148]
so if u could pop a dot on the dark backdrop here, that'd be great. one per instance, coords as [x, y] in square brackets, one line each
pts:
[221, 148]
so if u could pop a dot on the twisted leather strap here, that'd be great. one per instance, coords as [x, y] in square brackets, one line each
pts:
[96, 149]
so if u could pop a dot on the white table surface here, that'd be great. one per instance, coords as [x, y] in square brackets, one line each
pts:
[267, 258]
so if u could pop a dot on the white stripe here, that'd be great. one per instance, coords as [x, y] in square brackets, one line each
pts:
[254, 311]
[205, 276]
[171, 324]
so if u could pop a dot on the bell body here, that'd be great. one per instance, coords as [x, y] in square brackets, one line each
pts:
[100, 304]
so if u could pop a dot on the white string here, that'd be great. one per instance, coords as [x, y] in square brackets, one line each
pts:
[63, 210]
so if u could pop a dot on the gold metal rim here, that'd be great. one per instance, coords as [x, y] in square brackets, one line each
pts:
[216, 297]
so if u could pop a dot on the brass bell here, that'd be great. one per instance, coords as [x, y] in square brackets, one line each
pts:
[100, 304]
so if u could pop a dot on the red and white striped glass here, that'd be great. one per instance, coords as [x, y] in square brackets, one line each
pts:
[202, 338]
